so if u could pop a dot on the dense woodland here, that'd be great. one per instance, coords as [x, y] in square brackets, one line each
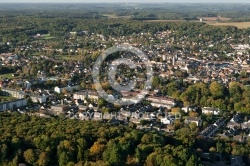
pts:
[42, 141]
[65, 142]
[234, 97]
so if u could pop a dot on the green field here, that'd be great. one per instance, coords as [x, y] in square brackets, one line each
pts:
[6, 98]
[69, 57]
[115, 16]
[47, 37]
[240, 25]
[8, 75]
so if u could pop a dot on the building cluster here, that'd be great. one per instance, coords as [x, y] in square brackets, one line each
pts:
[58, 94]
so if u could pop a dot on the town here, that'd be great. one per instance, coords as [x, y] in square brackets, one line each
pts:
[200, 82]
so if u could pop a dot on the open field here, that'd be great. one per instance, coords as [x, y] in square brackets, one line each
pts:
[205, 19]
[69, 57]
[115, 16]
[9, 75]
[240, 25]
[6, 98]
[164, 20]
[216, 21]
[47, 37]
[214, 18]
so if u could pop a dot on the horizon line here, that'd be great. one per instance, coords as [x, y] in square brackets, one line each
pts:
[125, 3]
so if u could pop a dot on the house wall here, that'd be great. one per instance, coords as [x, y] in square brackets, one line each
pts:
[13, 104]
[165, 121]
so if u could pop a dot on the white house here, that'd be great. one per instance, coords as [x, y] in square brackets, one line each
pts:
[196, 120]
[166, 121]
[14, 93]
[68, 88]
[162, 102]
[210, 110]
[80, 95]
[188, 108]
[38, 98]
[13, 104]
[93, 95]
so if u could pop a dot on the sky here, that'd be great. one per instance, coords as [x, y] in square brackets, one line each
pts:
[124, 1]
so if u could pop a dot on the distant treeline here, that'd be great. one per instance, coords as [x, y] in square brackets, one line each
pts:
[238, 12]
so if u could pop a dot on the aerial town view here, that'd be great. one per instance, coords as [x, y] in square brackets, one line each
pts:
[124, 83]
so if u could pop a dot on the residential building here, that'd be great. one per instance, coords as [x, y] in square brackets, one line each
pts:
[38, 98]
[59, 109]
[10, 105]
[80, 95]
[210, 110]
[14, 93]
[166, 121]
[196, 120]
[162, 102]
[67, 88]
[188, 108]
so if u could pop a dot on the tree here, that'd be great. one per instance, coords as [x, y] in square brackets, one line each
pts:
[185, 135]
[219, 147]
[101, 103]
[212, 153]
[193, 114]
[113, 154]
[97, 149]
[63, 159]
[193, 161]
[29, 156]
[43, 159]
[193, 126]
[15, 161]
[175, 110]
[171, 88]
[3, 151]
[82, 151]
[235, 91]
[156, 82]
[217, 90]
[29, 101]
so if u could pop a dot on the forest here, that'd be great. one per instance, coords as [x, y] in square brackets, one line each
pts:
[234, 97]
[65, 142]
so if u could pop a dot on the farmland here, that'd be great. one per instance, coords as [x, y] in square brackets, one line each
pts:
[211, 19]
[114, 16]
[240, 25]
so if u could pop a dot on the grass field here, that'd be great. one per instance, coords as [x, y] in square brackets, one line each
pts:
[214, 18]
[69, 57]
[47, 37]
[7, 98]
[240, 25]
[115, 16]
[164, 21]
[212, 21]
[9, 75]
